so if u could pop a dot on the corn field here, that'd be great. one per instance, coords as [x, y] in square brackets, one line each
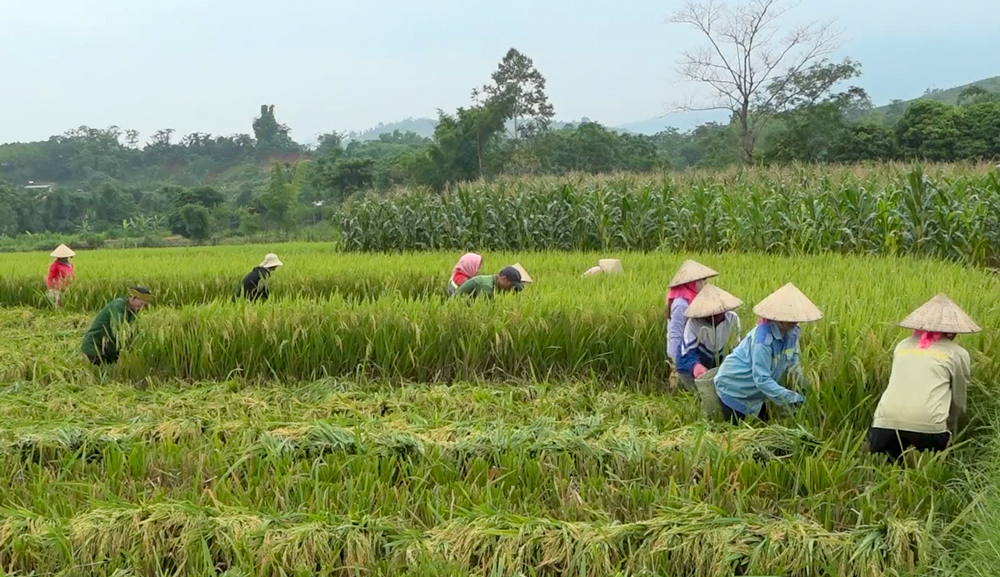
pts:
[893, 211]
[360, 423]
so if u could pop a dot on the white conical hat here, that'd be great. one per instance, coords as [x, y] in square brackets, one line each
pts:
[940, 315]
[691, 271]
[62, 251]
[525, 277]
[271, 261]
[788, 305]
[711, 301]
[592, 271]
[610, 265]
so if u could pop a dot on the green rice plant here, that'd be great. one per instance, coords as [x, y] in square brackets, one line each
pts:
[568, 328]
[390, 432]
[692, 540]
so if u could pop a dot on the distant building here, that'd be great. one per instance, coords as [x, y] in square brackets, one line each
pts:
[40, 187]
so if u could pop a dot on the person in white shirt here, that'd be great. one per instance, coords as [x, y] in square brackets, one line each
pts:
[710, 322]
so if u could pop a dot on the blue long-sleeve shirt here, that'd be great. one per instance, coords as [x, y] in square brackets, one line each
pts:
[749, 375]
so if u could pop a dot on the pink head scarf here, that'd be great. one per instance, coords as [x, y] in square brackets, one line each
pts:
[927, 338]
[685, 291]
[468, 265]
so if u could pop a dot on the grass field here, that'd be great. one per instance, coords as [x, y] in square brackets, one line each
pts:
[361, 424]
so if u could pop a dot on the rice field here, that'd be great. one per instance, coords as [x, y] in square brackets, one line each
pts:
[359, 423]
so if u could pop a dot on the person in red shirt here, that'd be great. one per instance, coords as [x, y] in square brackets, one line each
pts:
[60, 274]
[468, 266]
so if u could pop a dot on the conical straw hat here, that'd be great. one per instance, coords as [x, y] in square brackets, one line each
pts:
[940, 315]
[62, 251]
[788, 305]
[525, 277]
[711, 301]
[593, 271]
[610, 265]
[691, 271]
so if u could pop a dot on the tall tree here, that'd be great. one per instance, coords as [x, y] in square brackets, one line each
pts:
[812, 116]
[928, 130]
[271, 136]
[463, 144]
[197, 222]
[743, 54]
[521, 87]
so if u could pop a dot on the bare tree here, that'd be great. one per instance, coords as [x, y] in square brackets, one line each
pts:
[747, 59]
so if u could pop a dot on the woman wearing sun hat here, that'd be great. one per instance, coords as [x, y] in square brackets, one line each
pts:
[710, 321]
[60, 274]
[683, 288]
[467, 267]
[749, 376]
[927, 387]
[255, 283]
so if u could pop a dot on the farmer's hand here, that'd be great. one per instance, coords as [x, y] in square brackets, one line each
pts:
[699, 370]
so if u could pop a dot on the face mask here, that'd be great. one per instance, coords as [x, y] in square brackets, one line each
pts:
[710, 337]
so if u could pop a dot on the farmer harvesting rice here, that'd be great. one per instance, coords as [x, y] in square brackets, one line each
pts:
[60, 274]
[710, 321]
[101, 343]
[255, 283]
[486, 285]
[749, 376]
[926, 392]
[605, 266]
[683, 288]
[467, 267]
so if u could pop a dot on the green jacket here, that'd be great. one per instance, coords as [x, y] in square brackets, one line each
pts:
[484, 285]
[101, 338]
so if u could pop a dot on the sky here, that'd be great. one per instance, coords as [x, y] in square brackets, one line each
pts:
[208, 65]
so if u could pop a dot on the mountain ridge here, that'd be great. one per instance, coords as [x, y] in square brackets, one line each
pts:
[681, 121]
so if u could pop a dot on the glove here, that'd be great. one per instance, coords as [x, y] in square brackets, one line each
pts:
[797, 400]
[699, 370]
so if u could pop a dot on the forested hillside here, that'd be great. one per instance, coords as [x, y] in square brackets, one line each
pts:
[112, 182]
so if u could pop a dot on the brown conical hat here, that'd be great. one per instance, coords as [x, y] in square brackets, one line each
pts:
[711, 301]
[525, 277]
[788, 305]
[940, 315]
[63, 251]
[691, 271]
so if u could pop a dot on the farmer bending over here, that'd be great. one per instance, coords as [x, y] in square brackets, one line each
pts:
[255, 283]
[749, 376]
[683, 289]
[467, 268]
[710, 321]
[486, 285]
[926, 392]
[101, 343]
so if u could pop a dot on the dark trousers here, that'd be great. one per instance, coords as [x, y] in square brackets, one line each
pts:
[107, 358]
[735, 417]
[893, 442]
